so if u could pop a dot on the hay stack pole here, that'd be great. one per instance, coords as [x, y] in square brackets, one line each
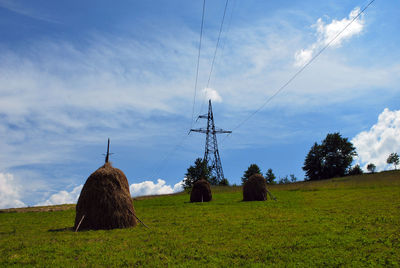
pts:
[108, 150]
[105, 201]
[106, 160]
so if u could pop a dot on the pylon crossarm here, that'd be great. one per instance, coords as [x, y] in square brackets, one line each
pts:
[221, 131]
[204, 116]
[201, 130]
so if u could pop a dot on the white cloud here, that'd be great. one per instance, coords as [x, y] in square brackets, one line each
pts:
[151, 188]
[303, 56]
[136, 189]
[73, 95]
[9, 192]
[211, 94]
[63, 197]
[375, 145]
[326, 32]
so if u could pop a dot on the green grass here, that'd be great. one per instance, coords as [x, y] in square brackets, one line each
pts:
[352, 221]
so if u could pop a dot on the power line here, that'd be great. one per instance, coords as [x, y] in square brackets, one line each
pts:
[216, 46]
[299, 71]
[198, 62]
[182, 140]
[184, 137]
[228, 27]
[215, 51]
[167, 157]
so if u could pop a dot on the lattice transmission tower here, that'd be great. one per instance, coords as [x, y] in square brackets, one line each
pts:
[211, 153]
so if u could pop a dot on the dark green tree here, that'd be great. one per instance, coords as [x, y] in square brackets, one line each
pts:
[371, 167]
[284, 180]
[313, 163]
[393, 159]
[270, 177]
[251, 170]
[330, 159]
[356, 170]
[213, 180]
[196, 172]
[224, 182]
[293, 178]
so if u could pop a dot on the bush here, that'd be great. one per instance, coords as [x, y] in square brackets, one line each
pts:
[356, 170]
[371, 167]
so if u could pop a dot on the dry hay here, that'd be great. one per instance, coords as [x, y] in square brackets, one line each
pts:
[105, 201]
[201, 191]
[255, 188]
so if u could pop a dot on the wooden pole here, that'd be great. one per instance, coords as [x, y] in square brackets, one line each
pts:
[273, 197]
[79, 224]
[138, 218]
[108, 150]
[140, 221]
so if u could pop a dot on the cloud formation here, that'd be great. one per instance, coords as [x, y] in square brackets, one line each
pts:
[151, 188]
[375, 145]
[63, 197]
[326, 32]
[136, 189]
[212, 94]
[9, 192]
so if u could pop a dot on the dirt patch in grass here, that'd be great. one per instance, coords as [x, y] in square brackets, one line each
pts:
[39, 209]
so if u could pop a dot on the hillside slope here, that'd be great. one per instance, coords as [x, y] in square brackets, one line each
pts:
[346, 221]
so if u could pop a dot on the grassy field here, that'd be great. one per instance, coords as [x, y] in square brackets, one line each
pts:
[351, 221]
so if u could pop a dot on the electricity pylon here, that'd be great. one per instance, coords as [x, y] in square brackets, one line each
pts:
[211, 154]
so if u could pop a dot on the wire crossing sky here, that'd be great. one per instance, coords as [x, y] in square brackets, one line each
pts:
[74, 73]
[301, 69]
[198, 62]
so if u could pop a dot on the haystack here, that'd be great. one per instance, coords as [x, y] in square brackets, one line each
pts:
[105, 201]
[201, 191]
[255, 188]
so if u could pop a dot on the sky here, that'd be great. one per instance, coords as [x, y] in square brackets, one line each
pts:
[74, 73]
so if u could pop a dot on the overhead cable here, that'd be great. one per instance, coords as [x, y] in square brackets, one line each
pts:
[300, 70]
[215, 51]
[198, 62]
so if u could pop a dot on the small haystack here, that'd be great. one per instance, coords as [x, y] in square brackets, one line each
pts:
[201, 191]
[255, 188]
[105, 201]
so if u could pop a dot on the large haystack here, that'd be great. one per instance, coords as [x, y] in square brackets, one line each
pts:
[105, 201]
[201, 191]
[255, 188]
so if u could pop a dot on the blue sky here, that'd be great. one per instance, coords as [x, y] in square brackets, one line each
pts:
[74, 73]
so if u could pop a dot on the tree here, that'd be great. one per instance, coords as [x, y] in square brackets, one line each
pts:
[393, 159]
[284, 180]
[270, 176]
[313, 163]
[293, 178]
[356, 170]
[251, 170]
[331, 158]
[224, 182]
[371, 167]
[196, 172]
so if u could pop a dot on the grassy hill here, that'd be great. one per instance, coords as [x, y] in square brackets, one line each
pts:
[352, 221]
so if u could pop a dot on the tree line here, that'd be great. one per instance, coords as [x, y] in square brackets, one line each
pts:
[331, 158]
